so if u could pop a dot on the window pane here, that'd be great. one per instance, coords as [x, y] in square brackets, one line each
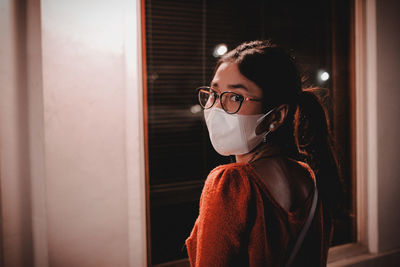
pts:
[181, 37]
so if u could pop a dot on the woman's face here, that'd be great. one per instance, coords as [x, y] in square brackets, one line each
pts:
[228, 78]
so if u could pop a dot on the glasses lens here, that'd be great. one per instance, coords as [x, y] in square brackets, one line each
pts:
[231, 102]
[206, 97]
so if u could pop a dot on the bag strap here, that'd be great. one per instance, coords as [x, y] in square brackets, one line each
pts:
[305, 228]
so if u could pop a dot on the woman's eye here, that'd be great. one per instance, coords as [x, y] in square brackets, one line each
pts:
[236, 98]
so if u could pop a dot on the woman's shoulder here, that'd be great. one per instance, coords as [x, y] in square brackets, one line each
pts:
[230, 171]
[234, 166]
[232, 177]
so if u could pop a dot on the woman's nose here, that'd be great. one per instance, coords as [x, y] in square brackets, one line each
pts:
[218, 102]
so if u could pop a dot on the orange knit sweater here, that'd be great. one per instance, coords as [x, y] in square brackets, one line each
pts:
[241, 224]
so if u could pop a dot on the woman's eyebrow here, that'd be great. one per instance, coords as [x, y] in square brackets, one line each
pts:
[238, 86]
[231, 86]
[214, 84]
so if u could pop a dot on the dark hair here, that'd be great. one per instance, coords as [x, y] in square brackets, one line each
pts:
[305, 134]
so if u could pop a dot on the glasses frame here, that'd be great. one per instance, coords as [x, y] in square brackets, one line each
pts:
[216, 95]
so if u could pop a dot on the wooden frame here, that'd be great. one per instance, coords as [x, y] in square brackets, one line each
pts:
[366, 147]
[357, 79]
[145, 119]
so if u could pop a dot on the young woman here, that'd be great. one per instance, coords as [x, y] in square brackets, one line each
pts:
[274, 206]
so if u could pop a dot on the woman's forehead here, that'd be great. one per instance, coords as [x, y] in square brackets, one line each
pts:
[229, 77]
[228, 70]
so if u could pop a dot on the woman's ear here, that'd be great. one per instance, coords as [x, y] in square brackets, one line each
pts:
[282, 112]
[279, 116]
[274, 121]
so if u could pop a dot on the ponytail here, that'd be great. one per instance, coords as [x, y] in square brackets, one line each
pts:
[315, 144]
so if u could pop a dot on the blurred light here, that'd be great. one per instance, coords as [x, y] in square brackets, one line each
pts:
[195, 109]
[324, 76]
[220, 50]
[153, 76]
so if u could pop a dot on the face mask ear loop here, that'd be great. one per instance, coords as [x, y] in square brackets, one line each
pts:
[265, 136]
[269, 130]
[266, 114]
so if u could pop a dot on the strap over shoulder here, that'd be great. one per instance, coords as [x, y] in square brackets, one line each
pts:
[304, 230]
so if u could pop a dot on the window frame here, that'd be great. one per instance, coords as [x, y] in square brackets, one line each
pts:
[364, 138]
[364, 65]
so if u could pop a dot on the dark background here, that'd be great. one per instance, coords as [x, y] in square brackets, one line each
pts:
[180, 39]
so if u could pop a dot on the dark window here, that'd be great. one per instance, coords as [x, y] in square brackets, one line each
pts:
[180, 40]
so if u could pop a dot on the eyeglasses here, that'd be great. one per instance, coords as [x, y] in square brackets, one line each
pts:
[230, 101]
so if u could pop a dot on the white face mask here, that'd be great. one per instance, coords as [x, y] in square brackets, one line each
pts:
[233, 134]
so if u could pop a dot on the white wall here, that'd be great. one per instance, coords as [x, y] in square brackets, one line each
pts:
[72, 167]
[84, 108]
